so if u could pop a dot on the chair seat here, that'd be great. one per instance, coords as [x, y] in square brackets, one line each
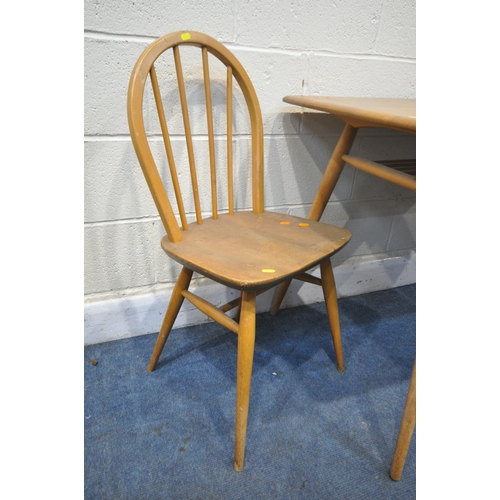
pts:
[246, 251]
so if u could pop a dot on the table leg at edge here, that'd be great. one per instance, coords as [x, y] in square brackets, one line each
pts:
[332, 172]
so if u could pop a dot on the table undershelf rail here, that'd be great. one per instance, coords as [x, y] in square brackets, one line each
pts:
[401, 172]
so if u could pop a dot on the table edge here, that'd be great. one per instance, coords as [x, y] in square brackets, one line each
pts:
[356, 116]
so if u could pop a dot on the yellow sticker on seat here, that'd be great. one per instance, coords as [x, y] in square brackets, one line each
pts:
[303, 224]
[268, 271]
[185, 36]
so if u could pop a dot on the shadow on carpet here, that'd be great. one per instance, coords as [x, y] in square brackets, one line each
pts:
[312, 433]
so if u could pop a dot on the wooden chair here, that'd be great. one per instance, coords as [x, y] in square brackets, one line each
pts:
[250, 251]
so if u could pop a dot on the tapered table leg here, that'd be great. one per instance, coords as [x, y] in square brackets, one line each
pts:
[406, 429]
[332, 172]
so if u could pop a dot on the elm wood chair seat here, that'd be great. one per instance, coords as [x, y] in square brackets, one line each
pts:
[250, 251]
[234, 249]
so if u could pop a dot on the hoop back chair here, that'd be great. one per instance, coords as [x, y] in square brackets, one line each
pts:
[249, 251]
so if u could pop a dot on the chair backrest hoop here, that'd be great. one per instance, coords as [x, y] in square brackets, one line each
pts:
[138, 133]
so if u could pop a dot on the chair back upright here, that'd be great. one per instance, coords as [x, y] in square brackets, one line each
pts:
[145, 71]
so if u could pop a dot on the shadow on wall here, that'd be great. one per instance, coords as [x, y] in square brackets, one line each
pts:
[379, 214]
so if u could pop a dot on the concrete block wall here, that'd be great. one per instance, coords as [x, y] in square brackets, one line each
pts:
[358, 48]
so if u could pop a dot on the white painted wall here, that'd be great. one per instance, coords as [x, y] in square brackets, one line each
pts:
[356, 48]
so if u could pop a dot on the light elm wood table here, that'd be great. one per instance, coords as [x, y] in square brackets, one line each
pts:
[358, 112]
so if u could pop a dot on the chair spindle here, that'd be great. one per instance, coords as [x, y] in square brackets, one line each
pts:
[168, 146]
[210, 125]
[229, 111]
[187, 130]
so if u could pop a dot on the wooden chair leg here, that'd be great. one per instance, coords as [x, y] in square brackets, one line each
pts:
[238, 311]
[280, 296]
[173, 309]
[406, 429]
[246, 343]
[330, 294]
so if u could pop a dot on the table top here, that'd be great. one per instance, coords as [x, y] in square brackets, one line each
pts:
[396, 114]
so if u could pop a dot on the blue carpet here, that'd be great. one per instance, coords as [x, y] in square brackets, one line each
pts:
[312, 433]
